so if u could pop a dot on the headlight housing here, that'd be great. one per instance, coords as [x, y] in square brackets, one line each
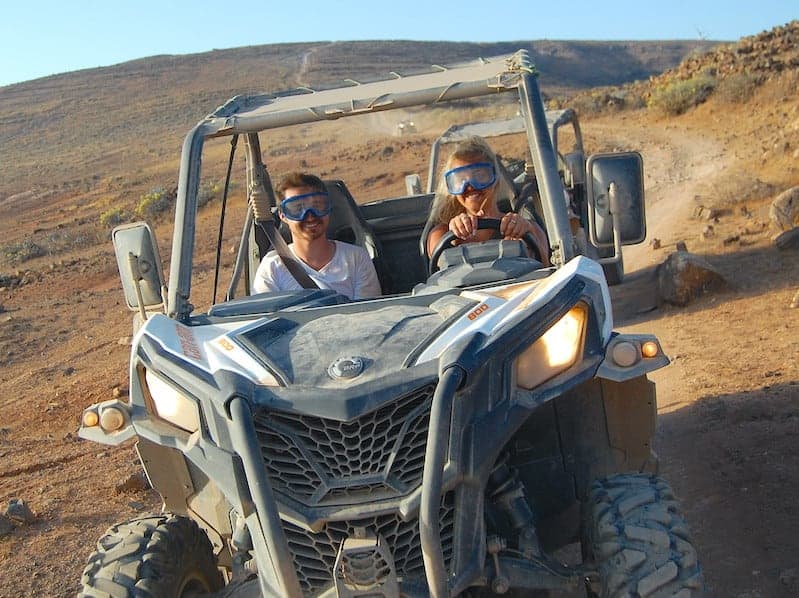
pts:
[555, 351]
[170, 405]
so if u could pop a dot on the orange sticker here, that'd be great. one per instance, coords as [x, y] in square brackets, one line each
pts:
[480, 309]
[225, 344]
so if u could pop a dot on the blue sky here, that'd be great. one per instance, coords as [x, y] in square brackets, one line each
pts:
[46, 37]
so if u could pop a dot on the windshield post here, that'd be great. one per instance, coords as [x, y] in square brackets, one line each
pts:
[546, 168]
[178, 305]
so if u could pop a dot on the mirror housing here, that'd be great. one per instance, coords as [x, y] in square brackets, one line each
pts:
[621, 211]
[139, 266]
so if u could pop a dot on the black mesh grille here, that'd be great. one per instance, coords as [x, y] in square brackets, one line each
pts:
[315, 553]
[323, 461]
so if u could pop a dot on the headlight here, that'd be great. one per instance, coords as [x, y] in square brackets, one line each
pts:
[172, 406]
[557, 350]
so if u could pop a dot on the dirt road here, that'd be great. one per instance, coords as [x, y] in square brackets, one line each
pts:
[729, 402]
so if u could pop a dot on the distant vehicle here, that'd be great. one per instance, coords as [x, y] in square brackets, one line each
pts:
[404, 127]
[447, 438]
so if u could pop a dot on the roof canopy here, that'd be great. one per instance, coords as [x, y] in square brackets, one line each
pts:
[246, 114]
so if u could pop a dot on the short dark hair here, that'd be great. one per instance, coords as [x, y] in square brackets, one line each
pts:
[298, 179]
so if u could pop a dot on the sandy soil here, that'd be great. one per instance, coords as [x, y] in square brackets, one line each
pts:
[729, 402]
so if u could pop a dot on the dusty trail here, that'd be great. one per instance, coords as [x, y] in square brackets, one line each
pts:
[677, 163]
[727, 404]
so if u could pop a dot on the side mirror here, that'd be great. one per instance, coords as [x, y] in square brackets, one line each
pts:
[139, 266]
[615, 190]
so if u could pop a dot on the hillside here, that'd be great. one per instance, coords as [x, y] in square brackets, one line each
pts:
[728, 404]
[80, 133]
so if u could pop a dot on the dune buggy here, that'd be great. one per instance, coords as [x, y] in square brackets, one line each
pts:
[479, 429]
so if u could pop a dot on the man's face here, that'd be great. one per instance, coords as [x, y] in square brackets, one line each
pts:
[311, 227]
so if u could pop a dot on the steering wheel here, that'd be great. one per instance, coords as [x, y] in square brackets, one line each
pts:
[482, 224]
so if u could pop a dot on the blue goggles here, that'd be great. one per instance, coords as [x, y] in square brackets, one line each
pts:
[478, 176]
[298, 207]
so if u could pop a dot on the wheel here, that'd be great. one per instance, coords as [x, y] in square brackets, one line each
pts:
[482, 223]
[638, 540]
[158, 556]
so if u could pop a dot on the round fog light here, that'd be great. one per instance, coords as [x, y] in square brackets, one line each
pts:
[111, 419]
[649, 349]
[625, 354]
[90, 419]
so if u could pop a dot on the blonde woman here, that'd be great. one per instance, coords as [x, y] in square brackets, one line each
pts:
[471, 188]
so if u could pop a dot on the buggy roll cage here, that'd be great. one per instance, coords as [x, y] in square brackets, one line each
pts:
[250, 114]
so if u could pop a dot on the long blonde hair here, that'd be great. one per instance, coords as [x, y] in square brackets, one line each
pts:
[445, 205]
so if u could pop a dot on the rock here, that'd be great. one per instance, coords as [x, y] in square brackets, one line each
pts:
[731, 239]
[787, 240]
[6, 527]
[18, 512]
[795, 300]
[684, 276]
[707, 232]
[136, 483]
[784, 210]
[705, 213]
[655, 243]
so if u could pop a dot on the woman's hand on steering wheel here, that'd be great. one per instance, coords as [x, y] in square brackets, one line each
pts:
[449, 238]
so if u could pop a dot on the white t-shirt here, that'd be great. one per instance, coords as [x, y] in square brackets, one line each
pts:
[350, 272]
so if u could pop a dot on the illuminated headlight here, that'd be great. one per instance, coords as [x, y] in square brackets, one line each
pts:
[172, 406]
[557, 350]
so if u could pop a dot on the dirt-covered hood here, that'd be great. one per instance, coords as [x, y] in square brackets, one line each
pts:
[338, 349]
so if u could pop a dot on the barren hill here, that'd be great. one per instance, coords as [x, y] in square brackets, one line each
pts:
[72, 132]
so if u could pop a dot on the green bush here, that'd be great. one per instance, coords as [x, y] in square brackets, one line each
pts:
[678, 96]
[112, 216]
[155, 202]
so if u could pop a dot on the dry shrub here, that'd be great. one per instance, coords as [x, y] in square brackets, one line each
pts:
[155, 202]
[737, 88]
[675, 97]
[600, 101]
[16, 253]
[112, 217]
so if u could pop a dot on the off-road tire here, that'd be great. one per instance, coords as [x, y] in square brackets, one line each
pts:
[158, 556]
[638, 540]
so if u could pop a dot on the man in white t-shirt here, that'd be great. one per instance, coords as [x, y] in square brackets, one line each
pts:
[305, 207]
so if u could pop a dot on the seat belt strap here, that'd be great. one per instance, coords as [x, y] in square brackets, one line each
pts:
[284, 253]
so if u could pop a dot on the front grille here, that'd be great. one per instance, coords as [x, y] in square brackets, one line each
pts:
[323, 461]
[315, 552]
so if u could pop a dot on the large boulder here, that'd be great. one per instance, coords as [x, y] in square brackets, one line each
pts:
[784, 210]
[684, 276]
